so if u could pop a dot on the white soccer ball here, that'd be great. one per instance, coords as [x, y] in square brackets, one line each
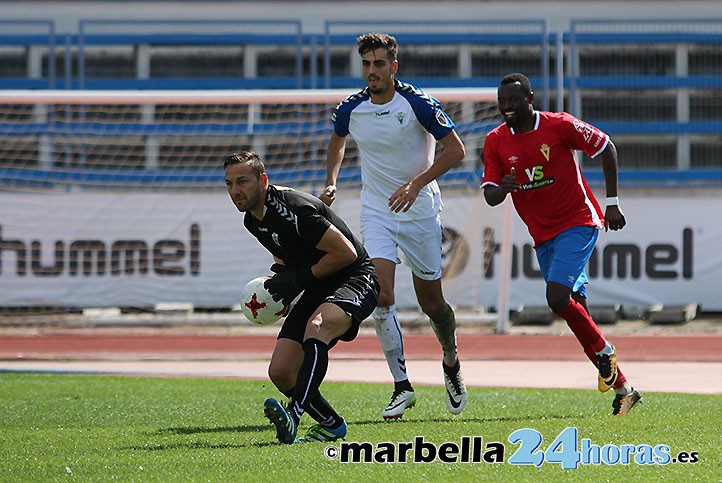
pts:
[257, 304]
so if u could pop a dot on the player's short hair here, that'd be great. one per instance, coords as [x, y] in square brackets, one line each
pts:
[246, 157]
[373, 40]
[520, 78]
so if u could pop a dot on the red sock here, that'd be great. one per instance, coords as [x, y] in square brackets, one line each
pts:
[587, 334]
[584, 329]
[620, 379]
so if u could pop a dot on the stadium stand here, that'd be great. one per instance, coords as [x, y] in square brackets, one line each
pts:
[27, 54]
[653, 85]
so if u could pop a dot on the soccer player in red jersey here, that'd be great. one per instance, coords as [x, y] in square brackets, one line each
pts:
[532, 156]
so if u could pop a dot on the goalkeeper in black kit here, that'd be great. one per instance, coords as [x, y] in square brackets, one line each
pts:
[315, 253]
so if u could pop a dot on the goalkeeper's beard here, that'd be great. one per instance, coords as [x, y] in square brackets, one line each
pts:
[244, 204]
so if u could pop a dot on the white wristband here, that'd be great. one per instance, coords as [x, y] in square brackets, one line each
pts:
[613, 201]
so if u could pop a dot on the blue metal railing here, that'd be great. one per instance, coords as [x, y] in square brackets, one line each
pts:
[93, 32]
[181, 33]
[436, 32]
[45, 37]
[204, 179]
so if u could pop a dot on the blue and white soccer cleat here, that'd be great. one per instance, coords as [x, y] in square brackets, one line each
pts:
[321, 433]
[279, 417]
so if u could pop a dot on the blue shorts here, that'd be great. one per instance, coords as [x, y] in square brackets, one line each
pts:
[563, 258]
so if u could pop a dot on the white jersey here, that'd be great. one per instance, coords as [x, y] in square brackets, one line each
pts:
[396, 142]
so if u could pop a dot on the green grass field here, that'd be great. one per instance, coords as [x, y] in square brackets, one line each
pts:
[100, 428]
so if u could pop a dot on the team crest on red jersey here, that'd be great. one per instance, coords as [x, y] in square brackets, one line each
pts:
[545, 150]
[583, 128]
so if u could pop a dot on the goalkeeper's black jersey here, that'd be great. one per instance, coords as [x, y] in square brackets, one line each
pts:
[293, 224]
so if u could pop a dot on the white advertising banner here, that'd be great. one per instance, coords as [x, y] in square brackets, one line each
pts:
[138, 250]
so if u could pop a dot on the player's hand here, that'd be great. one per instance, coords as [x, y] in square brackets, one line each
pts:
[279, 268]
[285, 285]
[328, 195]
[614, 218]
[509, 182]
[403, 198]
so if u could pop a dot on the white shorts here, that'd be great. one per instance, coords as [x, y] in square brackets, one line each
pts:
[419, 241]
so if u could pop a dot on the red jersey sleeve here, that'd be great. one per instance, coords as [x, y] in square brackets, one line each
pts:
[493, 171]
[583, 136]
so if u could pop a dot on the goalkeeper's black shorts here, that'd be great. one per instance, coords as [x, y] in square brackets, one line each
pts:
[356, 294]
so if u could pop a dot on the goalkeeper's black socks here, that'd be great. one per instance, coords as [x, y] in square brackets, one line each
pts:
[322, 412]
[310, 376]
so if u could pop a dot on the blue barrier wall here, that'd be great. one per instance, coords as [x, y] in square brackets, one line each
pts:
[652, 85]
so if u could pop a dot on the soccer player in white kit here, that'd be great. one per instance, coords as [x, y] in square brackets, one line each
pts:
[396, 127]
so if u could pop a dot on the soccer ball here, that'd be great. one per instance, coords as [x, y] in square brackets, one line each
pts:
[257, 304]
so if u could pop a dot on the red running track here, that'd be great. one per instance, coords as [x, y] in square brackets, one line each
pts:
[689, 363]
[664, 348]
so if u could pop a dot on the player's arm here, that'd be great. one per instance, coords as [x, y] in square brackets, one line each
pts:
[452, 154]
[495, 194]
[495, 183]
[613, 216]
[338, 250]
[287, 283]
[334, 157]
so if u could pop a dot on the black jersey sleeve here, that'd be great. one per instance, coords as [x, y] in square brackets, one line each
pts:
[312, 225]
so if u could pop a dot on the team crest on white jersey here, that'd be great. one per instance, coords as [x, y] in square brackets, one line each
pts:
[442, 119]
[400, 117]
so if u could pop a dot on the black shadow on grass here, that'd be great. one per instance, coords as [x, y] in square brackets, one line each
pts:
[468, 420]
[256, 428]
[219, 429]
[199, 446]
[450, 419]
[208, 430]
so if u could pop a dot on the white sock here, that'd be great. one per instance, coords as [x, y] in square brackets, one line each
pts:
[388, 332]
[607, 351]
[624, 390]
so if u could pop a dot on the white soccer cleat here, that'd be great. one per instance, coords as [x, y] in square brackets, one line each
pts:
[455, 388]
[400, 402]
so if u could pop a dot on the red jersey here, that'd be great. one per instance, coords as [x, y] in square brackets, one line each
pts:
[554, 195]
